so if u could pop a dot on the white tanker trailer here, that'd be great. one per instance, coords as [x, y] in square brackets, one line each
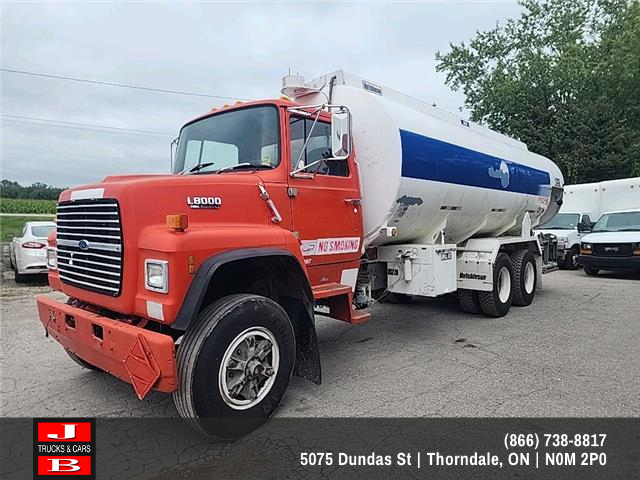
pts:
[447, 204]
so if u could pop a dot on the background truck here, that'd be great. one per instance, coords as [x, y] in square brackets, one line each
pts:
[582, 205]
[205, 282]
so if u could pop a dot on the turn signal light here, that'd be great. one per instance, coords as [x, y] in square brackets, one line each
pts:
[584, 251]
[36, 245]
[177, 221]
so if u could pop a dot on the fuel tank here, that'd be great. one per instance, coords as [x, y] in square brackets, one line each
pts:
[426, 171]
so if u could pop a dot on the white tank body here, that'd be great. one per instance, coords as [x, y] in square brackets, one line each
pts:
[424, 170]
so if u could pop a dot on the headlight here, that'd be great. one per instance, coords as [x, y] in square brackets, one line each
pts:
[156, 275]
[52, 259]
[585, 249]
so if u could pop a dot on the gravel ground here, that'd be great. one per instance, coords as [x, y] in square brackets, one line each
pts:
[574, 352]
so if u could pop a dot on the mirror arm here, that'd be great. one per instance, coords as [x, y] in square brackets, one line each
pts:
[304, 167]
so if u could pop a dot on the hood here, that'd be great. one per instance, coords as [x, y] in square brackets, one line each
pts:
[612, 237]
[558, 233]
[148, 199]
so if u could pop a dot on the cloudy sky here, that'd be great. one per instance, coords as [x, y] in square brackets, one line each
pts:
[230, 49]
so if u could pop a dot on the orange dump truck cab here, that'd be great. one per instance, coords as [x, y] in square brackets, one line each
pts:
[204, 282]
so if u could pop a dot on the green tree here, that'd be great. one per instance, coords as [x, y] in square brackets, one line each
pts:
[563, 78]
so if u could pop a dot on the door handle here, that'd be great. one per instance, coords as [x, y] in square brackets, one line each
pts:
[354, 201]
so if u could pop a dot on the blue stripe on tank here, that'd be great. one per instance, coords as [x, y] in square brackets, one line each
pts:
[426, 158]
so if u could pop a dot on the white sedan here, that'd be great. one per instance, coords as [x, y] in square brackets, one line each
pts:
[28, 254]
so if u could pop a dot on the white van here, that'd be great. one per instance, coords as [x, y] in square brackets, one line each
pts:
[613, 244]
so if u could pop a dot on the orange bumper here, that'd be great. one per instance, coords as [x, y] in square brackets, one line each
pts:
[143, 358]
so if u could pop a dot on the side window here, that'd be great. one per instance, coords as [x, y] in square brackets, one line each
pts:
[23, 232]
[318, 147]
[586, 220]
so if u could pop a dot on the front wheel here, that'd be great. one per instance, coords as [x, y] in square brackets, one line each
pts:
[571, 259]
[497, 302]
[591, 271]
[234, 366]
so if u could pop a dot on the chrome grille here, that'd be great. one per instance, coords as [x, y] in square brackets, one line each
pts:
[89, 237]
[613, 249]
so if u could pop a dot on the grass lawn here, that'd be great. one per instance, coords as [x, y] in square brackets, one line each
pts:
[14, 224]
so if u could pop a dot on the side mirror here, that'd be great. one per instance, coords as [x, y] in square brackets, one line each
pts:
[174, 147]
[9, 236]
[340, 135]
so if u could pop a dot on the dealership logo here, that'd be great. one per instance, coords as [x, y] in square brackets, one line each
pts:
[502, 172]
[64, 446]
[83, 245]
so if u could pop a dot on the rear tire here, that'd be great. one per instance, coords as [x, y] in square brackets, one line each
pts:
[469, 301]
[244, 341]
[571, 259]
[19, 277]
[525, 278]
[79, 361]
[497, 302]
[591, 271]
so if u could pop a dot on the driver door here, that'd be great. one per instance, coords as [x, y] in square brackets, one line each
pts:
[325, 202]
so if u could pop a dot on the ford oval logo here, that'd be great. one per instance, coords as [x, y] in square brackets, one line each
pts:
[83, 245]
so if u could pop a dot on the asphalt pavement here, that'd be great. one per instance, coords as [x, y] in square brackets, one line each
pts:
[574, 352]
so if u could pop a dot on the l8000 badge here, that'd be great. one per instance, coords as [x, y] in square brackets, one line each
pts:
[204, 202]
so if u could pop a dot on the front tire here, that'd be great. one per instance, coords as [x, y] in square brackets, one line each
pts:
[497, 302]
[591, 271]
[571, 259]
[525, 278]
[234, 366]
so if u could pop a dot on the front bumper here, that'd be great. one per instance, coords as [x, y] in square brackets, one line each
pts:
[141, 357]
[614, 263]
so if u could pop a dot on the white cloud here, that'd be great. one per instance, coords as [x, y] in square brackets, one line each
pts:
[239, 49]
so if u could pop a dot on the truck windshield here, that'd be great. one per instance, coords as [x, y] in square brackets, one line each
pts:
[562, 221]
[618, 222]
[246, 136]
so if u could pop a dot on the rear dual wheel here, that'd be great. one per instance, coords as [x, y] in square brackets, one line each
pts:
[234, 366]
[497, 302]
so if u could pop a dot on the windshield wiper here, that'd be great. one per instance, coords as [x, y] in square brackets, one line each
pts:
[629, 230]
[197, 168]
[242, 165]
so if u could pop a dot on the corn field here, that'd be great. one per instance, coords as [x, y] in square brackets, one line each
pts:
[26, 205]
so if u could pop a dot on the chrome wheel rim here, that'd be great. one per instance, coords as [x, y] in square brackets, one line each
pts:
[504, 284]
[249, 368]
[529, 277]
